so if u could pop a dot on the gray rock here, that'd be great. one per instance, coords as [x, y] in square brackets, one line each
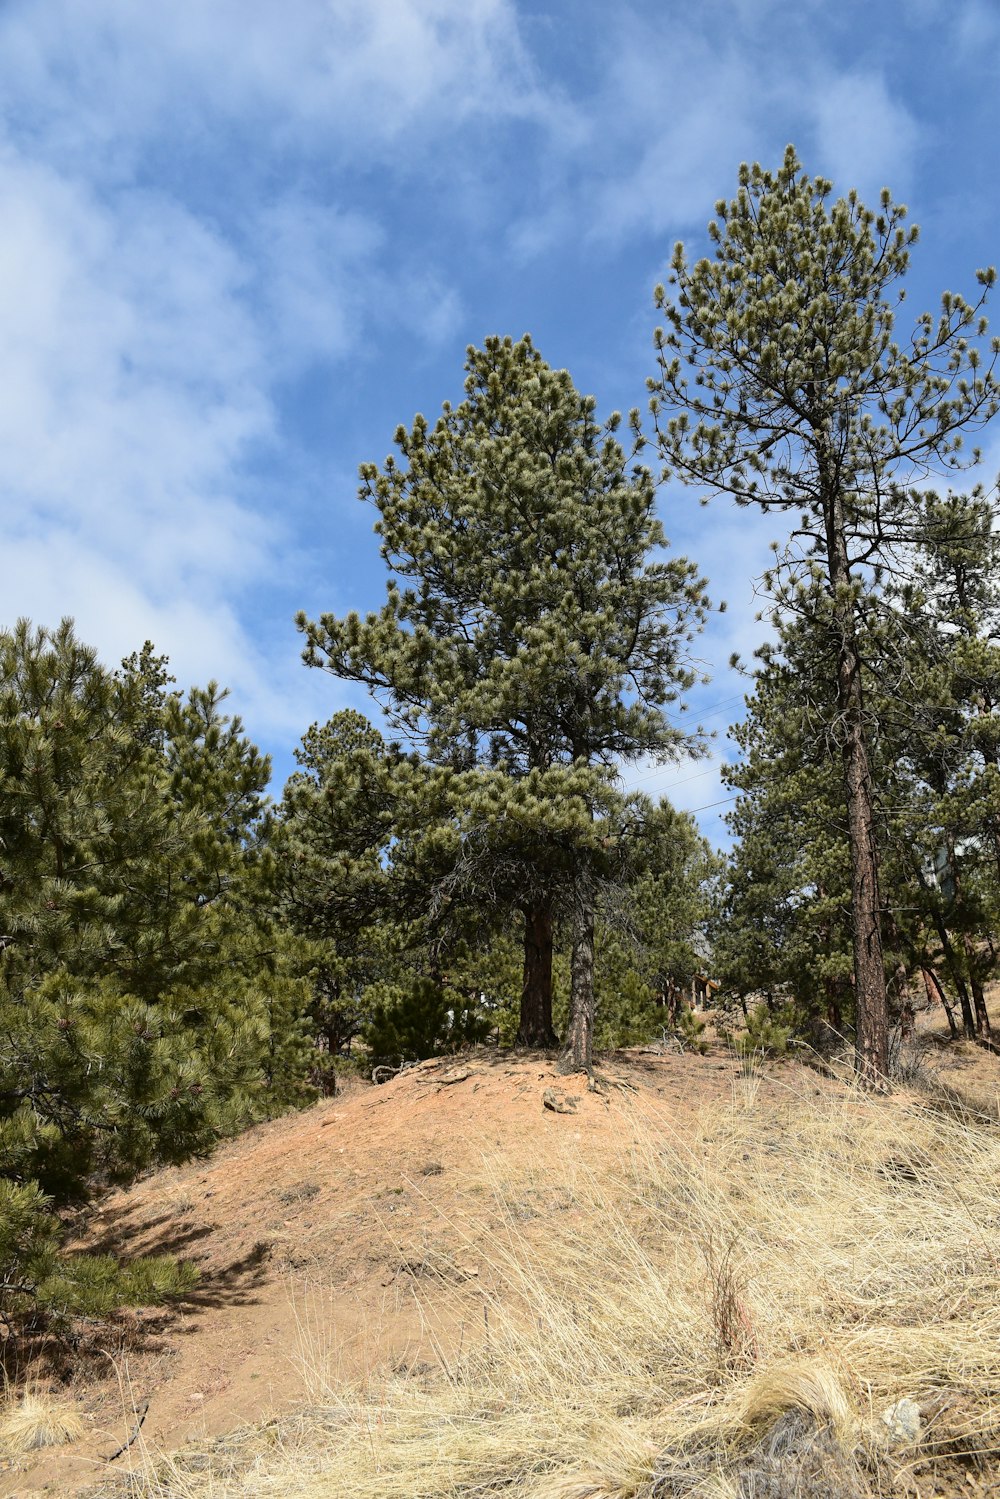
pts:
[559, 1103]
[903, 1421]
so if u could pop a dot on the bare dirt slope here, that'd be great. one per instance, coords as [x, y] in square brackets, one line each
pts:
[332, 1214]
[334, 1227]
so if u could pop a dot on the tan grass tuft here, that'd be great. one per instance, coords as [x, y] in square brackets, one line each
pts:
[36, 1419]
[806, 1385]
[716, 1486]
[577, 1488]
[619, 1470]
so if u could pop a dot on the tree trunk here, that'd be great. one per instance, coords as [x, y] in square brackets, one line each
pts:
[936, 994]
[968, 1018]
[871, 1050]
[981, 1023]
[955, 969]
[984, 1031]
[907, 1018]
[578, 1055]
[535, 1026]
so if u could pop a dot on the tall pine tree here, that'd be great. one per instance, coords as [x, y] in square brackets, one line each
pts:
[781, 382]
[533, 627]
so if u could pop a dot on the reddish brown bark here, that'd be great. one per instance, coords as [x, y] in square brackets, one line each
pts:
[578, 1055]
[535, 1025]
[872, 1011]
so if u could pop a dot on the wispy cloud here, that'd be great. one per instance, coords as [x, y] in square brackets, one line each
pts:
[361, 77]
[865, 138]
[686, 95]
[131, 370]
[313, 265]
[236, 237]
[176, 245]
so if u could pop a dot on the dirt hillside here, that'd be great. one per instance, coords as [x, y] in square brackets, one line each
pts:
[334, 1228]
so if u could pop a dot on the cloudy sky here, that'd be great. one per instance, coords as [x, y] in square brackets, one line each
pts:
[241, 241]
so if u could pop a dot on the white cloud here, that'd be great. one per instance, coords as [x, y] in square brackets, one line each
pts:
[203, 634]
[131, 371]
[133, 389]
[315, 276]
[423, 303]
[671, 139]
[683, 100]
[147, 311]
[977, 31]
[362, 76]
[865, 138]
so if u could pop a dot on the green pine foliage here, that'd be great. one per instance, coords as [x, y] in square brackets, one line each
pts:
[929, 673]
[147, 1006]
[668, 900]
[424, 1019]
[782, 926]
[653, 926]
[690, 1029]
[42, 1284]
[523, 589]
[768, 1032]
[783, 382]
[944, 821]
[534, 630]
[361, 837]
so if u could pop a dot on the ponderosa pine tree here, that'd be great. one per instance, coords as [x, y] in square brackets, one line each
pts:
[931, 672]
[945, 668]
[782, 384]
[367, 843]
[653, 926]
[145, 1009]
[782, 928]
[337, 884]
[533, 627]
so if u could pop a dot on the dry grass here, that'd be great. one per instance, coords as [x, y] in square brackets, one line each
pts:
[33, 1418]
[726, 1309]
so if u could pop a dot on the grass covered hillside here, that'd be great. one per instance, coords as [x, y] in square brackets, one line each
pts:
[707, 1278]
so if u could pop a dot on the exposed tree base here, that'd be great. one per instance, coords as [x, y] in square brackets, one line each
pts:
[602, 1086]
[541, 1040]
[579, 1051]
[873, 1082]
[570, 1066]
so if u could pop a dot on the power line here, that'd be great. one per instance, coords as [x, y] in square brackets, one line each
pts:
[708, 805]
[651, 775]
[711, 710]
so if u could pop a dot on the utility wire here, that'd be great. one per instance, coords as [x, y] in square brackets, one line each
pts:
[650, 775]
[709, 805]
[710, 711]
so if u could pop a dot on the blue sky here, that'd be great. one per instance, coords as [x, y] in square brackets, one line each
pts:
[241, 241]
